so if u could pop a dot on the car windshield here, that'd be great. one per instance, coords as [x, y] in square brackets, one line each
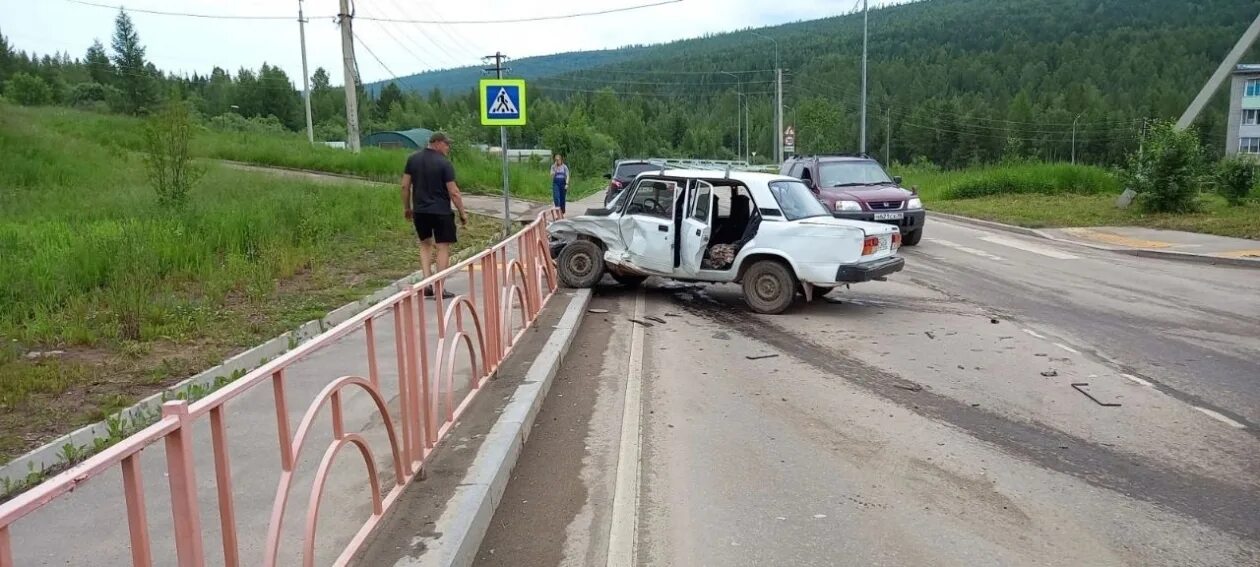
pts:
[796, 200]
[852, 173]
[631, 170]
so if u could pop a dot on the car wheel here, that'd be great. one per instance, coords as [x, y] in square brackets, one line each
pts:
[769, 287]
[629, 280]
[581, 264]
[912, 238]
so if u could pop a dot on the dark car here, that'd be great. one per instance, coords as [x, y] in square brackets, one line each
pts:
[624, 171]
[858, 188]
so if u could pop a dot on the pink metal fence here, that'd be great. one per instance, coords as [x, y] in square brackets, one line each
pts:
[515, 273]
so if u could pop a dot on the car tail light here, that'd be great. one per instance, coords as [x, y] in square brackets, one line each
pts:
[896, 243]
[616, 184]
[870, 245]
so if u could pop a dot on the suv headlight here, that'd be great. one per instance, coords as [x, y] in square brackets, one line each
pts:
[914, 203]
[846, 206]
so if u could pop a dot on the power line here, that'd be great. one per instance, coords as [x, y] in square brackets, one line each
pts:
[181, 14]
[539, 18]
[378, 60]
[378, 19]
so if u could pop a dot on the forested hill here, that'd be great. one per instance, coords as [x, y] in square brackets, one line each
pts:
[957, 80]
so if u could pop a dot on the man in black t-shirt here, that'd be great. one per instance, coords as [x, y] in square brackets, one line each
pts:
[428, 190]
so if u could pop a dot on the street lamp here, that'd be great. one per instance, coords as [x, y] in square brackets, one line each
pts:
[778, 99]
[740, 147]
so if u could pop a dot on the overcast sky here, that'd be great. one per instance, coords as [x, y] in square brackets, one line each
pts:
[185, 44]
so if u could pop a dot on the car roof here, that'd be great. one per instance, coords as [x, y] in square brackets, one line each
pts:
[737, 175]
[834, 158]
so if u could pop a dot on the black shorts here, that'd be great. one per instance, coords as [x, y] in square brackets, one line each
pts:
[440, 228]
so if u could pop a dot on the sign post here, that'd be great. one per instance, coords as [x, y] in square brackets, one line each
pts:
[789, 140]
[503, 105]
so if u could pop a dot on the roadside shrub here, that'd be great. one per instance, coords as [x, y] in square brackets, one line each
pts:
[1167, 174]
[166, 153]
[1235, 178]
[232, 122]
[28, 90]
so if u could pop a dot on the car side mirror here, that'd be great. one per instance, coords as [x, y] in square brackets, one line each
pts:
[607, 176]
[897, 179]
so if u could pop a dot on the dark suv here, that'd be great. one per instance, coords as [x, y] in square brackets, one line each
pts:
[624, 171]
[858, 188]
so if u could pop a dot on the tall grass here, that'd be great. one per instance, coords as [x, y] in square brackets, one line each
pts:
[1010, 179]
[89, 256]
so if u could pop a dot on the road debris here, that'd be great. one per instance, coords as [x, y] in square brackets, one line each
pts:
[1078, 387]
[908, 386]
[929, 334]
[597, 311]
[672, 315]
[761, 356]
[993, 321]
[657, 319]
[644, 323]
[1050, 373]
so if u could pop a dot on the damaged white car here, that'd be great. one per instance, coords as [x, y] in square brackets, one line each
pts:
[768, 232]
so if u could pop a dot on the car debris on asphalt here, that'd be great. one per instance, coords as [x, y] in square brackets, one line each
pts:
[644, 323]
[1050, 373]
[597, 311]
[1079, 387]
[761, 356]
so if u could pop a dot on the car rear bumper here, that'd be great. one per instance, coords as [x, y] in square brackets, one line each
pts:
[867, 271]
[910, 221]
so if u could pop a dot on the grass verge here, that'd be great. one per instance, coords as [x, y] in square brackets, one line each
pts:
[1038, 195]
[106, 297]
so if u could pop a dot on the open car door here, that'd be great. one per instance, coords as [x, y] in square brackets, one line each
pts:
[647, 227]
[696, 228]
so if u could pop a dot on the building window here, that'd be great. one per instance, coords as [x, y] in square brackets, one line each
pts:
[1249, 146]
[1251, 117]
[1253, 87]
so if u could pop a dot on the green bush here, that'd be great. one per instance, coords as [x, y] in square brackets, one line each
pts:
[232, 122]
[28, 90]
[1168, 172]
[168, 136]
[1235, 178]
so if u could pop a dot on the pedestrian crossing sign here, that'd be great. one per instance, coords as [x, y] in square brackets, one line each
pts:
[502, 102]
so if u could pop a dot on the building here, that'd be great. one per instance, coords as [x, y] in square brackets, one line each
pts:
[413, 139]
[1244, 112]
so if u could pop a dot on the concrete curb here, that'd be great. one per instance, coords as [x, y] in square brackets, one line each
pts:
[464, 524]
[1139, 252]
[51, 454]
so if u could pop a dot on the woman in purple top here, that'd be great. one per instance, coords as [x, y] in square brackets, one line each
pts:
[559, 182]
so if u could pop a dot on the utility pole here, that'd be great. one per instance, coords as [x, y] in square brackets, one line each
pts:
[1222, 72]
[306, 76]
[888, 136]
[1074, 120]
[747, 137]
[778, 117]
[498, 70]
[351, 74]
[865, 38]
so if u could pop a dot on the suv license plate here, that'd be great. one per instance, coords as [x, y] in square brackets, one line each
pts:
[889, 216]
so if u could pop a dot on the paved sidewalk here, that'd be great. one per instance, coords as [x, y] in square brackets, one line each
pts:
[1135, 241]
[1154, 239]
[522, 210]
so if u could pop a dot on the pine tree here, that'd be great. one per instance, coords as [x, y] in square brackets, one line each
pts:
[134, 77]
[99, 68]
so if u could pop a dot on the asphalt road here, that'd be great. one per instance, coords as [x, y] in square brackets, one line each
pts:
[927, 420]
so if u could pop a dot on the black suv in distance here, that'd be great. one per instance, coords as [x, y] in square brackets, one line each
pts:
[624, 171]
[858, 188]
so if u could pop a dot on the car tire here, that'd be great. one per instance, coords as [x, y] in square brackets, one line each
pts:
[912, 238]
[629, 280]
[769, 287]
[581, 264]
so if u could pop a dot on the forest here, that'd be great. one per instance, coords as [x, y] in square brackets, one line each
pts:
[952, 82]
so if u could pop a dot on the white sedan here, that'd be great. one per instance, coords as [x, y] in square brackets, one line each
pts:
[766, 231]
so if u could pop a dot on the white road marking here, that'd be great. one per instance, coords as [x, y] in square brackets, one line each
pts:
[961, 248]
[623, 535]
[1218, 417]
[1067, 348]
[1028, 247]
[1034, 333]
[1138, 381]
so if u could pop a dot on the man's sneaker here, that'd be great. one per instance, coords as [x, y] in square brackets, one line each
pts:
[428, 292]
